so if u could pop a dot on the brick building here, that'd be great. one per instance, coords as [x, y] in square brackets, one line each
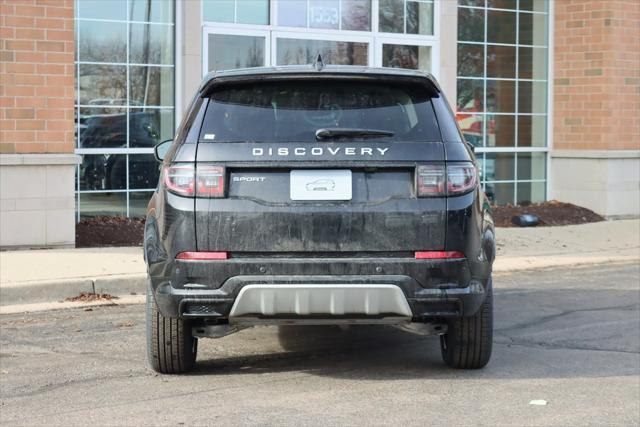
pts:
[37, 91]
[596, 105]
[547, 91]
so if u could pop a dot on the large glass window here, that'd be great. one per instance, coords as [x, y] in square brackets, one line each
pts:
[352, 15]
[236, 11]
[387, 33]
[406, 16]
[302, 51]
[228, 51]
[124, 101]
[413, 57]
[502, 94]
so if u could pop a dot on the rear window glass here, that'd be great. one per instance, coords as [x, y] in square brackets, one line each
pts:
[294, 111]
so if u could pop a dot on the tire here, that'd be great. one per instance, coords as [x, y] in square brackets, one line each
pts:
[171, 347]
[468, 341]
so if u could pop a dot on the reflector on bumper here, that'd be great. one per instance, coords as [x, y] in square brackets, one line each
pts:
[439, 255]
[202, 256]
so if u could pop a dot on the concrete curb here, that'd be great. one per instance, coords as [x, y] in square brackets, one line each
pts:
[58, 290]
[509, 265]
[58, 305]
[24, 294]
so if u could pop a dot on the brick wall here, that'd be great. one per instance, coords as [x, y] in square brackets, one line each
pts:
[37, 76]
[597, 75]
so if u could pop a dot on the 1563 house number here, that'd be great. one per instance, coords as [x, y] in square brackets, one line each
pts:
[325, 16]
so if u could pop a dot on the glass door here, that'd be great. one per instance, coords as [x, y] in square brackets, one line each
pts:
[225, 49]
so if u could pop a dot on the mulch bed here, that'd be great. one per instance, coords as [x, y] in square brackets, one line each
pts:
[90, 296]
[119, 231]
[550, 213]
[109, 231]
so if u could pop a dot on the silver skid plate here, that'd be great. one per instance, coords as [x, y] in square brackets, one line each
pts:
[306, 301]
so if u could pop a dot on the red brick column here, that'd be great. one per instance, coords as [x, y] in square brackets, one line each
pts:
[37, 164]
[597, 74]
[595, 161]
[37, 73]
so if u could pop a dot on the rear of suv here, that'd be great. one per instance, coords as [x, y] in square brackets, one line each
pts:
[318, 195]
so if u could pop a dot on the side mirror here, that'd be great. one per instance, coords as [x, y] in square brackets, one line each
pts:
[160, 150]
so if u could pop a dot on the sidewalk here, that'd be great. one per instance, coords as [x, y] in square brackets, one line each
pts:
[545, 247]
[36, 276]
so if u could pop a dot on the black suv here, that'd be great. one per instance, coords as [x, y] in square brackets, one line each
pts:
[318, 195]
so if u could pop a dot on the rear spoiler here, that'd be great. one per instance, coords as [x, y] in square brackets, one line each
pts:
[421, 79]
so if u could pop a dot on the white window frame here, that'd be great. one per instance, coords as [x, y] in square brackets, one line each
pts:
[548, 114]
[374, 38]
[234, 30]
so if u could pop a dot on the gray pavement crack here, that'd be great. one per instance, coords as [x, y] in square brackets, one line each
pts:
[548, 346]
[552, 317]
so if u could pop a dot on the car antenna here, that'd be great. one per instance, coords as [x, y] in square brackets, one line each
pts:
[318, 64]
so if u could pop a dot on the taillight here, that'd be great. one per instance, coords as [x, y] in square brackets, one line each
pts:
[461, 178]
[210, 181]
[440, 180]
[430, 180]
[179, 179]
[201, 181]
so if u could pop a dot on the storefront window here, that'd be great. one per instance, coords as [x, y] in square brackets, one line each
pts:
[236, 11]
[501, 26]
[124, 101]
[406, 56]
[150, 44]
[354, 15]
[160, 11]
[470, 25]
[297, 51]
[100, 9]
[228, 51]
[324, 14]
[292, 13]
[343, 31]
[501, 61]
[502, 94]
[406, 16]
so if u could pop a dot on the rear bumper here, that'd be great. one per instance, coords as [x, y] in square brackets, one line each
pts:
[209, 289]
[324, 302]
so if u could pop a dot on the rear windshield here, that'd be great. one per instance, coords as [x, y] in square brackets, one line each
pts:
[294, 111]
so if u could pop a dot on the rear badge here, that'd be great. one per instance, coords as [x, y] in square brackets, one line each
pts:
[209, 136]
[248, 179]
[320, 185]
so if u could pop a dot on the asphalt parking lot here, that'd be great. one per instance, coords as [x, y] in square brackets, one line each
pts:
[570, 337]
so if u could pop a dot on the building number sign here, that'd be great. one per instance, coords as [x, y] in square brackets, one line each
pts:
[323, 16]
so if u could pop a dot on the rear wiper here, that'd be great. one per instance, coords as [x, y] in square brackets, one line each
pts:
[326, 133]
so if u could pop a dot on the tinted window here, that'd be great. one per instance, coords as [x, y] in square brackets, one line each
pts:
[293, 111]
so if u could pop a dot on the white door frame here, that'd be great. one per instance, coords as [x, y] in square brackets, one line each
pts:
[233, 31]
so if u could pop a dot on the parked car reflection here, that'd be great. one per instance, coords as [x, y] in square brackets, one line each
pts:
[106, 130]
